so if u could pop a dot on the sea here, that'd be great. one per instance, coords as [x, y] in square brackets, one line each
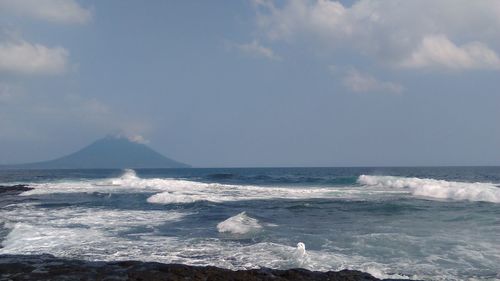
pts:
[426, 223]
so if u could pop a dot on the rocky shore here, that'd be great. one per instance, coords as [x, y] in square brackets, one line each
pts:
[8, 195]
[47, 267]
[13, 189]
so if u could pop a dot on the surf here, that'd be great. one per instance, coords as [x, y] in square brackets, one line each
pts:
[436, 189]
[239, 224]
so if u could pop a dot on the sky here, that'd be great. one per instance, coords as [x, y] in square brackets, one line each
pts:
[254, 83]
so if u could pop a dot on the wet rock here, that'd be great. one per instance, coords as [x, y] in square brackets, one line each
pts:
[47, 267]
[14, 189]
[9, 195]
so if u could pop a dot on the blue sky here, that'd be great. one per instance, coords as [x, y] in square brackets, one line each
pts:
[254, 83]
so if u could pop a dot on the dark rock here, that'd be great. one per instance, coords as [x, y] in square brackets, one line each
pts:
[14, 189]
[8, 195]
[47, 267]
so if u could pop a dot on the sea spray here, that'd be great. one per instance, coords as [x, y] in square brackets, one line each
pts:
[239, 224]
[438, 189]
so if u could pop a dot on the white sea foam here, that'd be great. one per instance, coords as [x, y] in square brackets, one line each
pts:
[129, 174]
[180, 191]
[117, 234]
[438, 189]
[170, 190]
[92, 244]
[301, 249]
[239, 224]
[300, 255]
[128, 182]
[97, 234]
[35, 230]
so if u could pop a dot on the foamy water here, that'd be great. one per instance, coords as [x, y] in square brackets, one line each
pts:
[239, 224]
[391, 227]
[437, 189]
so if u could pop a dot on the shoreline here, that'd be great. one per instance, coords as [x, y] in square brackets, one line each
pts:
[48, 267]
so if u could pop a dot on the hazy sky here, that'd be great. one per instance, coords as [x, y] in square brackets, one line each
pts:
[254, 83]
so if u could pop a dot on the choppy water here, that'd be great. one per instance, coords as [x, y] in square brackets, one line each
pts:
[421, 223]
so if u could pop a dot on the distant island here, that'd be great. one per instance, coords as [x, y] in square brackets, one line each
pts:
[112, 152]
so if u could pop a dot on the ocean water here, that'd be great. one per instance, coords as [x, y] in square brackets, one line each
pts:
[419, 223]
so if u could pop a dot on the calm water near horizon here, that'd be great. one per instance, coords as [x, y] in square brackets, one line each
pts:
[431, 223]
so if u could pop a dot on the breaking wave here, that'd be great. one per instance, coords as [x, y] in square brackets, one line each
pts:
[239, 224]
[383, 237]
[439, 189]
[169, 190]
[179, 191]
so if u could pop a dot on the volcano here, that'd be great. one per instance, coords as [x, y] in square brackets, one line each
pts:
[108, 153]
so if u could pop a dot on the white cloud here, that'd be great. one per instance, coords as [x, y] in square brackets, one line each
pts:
[393, 32]
[133, 129]
[322, 18]
[360, 82]
[138, 139]
[26, 58]
[57, 11]
[437, 50]
[256, 49]
[130, 137]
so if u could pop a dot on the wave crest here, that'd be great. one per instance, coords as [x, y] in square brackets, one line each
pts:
[239, 224]
[438, 189]
[129, 174]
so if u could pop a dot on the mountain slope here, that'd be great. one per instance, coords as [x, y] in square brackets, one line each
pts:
[109, 153]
